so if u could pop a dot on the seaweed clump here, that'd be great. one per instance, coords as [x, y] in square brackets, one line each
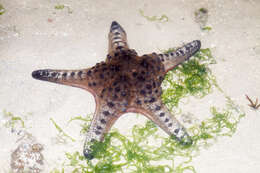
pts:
[62, 6]
[13, 121]
[163, 17]
[145, 150]
[193, 77]
[2, 9]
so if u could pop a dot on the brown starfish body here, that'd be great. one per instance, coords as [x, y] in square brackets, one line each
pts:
[125, 82]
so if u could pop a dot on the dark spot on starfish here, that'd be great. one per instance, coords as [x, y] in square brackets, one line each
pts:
[148, 86]
[154, 84]
[156, 91]
[181, 51]
[115, 83]
[157, 108]
[162, 114]
[176, 131]
[115, 96]
[110, 89]
[170, 124]
[104, 69]
[117, 33]
[142, 92]
[138, 102]
[141, 78]
[166, 55]
[64, 74]
[171, 53]
[97, 132]
[109, 57]
[80, 73]
[117, 89]
[94, 84]
[123, 93]
[134, 74]
[101, 76]
[89, 84]
[99, 127]
[117, 68]
[144, 64]
[177, 53]
[103, 121]
[72, 74]
[166, 120]
[89, 73]
[152, 100]
[106, 113]
[116, 54]
[110, 104]
[123, 78]
[53, 74]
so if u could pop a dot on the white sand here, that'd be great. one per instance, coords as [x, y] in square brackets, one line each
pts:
[28, 41]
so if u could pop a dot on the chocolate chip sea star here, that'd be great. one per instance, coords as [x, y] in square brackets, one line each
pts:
[125, 82]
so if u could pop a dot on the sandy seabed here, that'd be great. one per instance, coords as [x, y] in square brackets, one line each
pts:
[35, 35]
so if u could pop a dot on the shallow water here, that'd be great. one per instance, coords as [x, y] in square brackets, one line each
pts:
[36, 35]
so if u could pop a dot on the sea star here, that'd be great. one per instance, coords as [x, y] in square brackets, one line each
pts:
[125, 82]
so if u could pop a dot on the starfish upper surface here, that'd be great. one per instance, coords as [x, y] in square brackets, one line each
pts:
[125, 82]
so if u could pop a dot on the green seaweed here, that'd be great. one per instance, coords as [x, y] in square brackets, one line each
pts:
[193, 77]
[203, 10]
[137, 153]
[163, 17]
[61, 132]
[2, 9]
[86, 123]
[145, 150]
[13, 121]
[206, 28]
[59, 7]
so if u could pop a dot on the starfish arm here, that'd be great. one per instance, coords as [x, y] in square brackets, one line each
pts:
[173, 59]
[161, 116]
[101, 123]
[76, 78]
[117, 38]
